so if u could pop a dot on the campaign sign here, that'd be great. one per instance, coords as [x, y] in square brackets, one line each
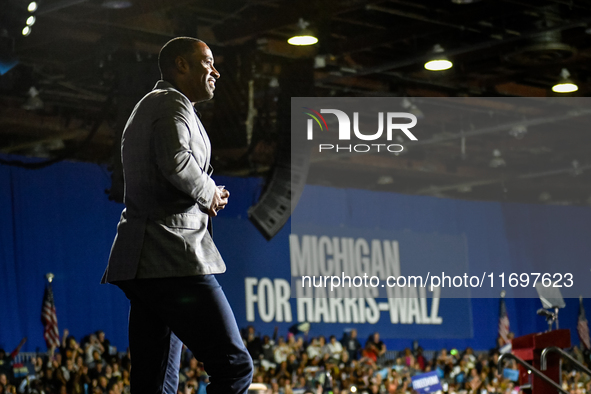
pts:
[511, 374]
[426, 382]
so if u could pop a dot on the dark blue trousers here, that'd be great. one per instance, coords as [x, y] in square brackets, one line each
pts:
[167, 312]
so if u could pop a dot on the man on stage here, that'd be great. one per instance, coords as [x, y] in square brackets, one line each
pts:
[163, 256]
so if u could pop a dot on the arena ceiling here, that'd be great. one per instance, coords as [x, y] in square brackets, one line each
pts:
[89, 61]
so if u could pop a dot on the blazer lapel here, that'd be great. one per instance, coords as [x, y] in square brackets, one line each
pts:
[206, 142]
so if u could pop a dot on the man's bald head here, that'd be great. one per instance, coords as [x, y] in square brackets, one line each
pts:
[180, 46]
[187, 63]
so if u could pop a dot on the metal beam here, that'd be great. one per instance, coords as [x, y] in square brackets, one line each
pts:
[470, 48]
[534, 175]
[287, 14]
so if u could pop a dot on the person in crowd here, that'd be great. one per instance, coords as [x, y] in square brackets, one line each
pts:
[104, 343]
[352, 345]
[409, 358]
[6, 360]
[282, 351]
[93, 345]
[374, 347]
[334, 348]
[253, 343]
[314, 351]
[420, 358]
[96, 360]
[268, 347]
[69, 348]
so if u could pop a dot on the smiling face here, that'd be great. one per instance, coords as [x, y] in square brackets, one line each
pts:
[200, 75]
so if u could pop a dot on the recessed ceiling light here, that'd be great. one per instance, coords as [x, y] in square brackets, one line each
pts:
[304, 36]
[438, 65]
[302, 40]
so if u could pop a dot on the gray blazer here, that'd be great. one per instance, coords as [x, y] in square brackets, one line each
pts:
[163, 230]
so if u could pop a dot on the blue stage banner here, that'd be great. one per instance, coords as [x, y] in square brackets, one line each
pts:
[426, 383]
[59, 220]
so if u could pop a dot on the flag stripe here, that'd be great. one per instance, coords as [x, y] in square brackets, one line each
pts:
[49, 319]
[503, 321]
[583, 327]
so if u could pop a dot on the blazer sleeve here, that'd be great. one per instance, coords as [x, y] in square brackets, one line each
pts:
[171, 136]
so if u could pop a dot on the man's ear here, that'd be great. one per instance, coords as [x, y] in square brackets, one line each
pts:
[181, 64]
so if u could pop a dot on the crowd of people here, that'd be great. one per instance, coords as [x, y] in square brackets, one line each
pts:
[297, 365]
[86, 367]
[292, 364]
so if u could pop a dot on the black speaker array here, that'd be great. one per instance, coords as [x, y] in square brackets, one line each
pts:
[288, 176]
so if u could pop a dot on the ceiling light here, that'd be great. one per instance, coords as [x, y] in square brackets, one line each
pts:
[385, 180]
[438, 62]
[319, 62]
[31, 20]
[497, 160]
[518, 131]
[34, 102]
[55, 144]
[302, 40]
[565, 84]
[577, 170]
[304, 36]
[116, 4]
[274, 82]
[26, 31]
[32, 6]
[438, 65]
[544, 197]
[412, 108]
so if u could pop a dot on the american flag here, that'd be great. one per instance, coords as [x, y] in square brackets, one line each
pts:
[503, 322]
[49, 319]
[583, 327]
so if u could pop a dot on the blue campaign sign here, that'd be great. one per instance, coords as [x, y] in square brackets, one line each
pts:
[511, 374]
[426, 382]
